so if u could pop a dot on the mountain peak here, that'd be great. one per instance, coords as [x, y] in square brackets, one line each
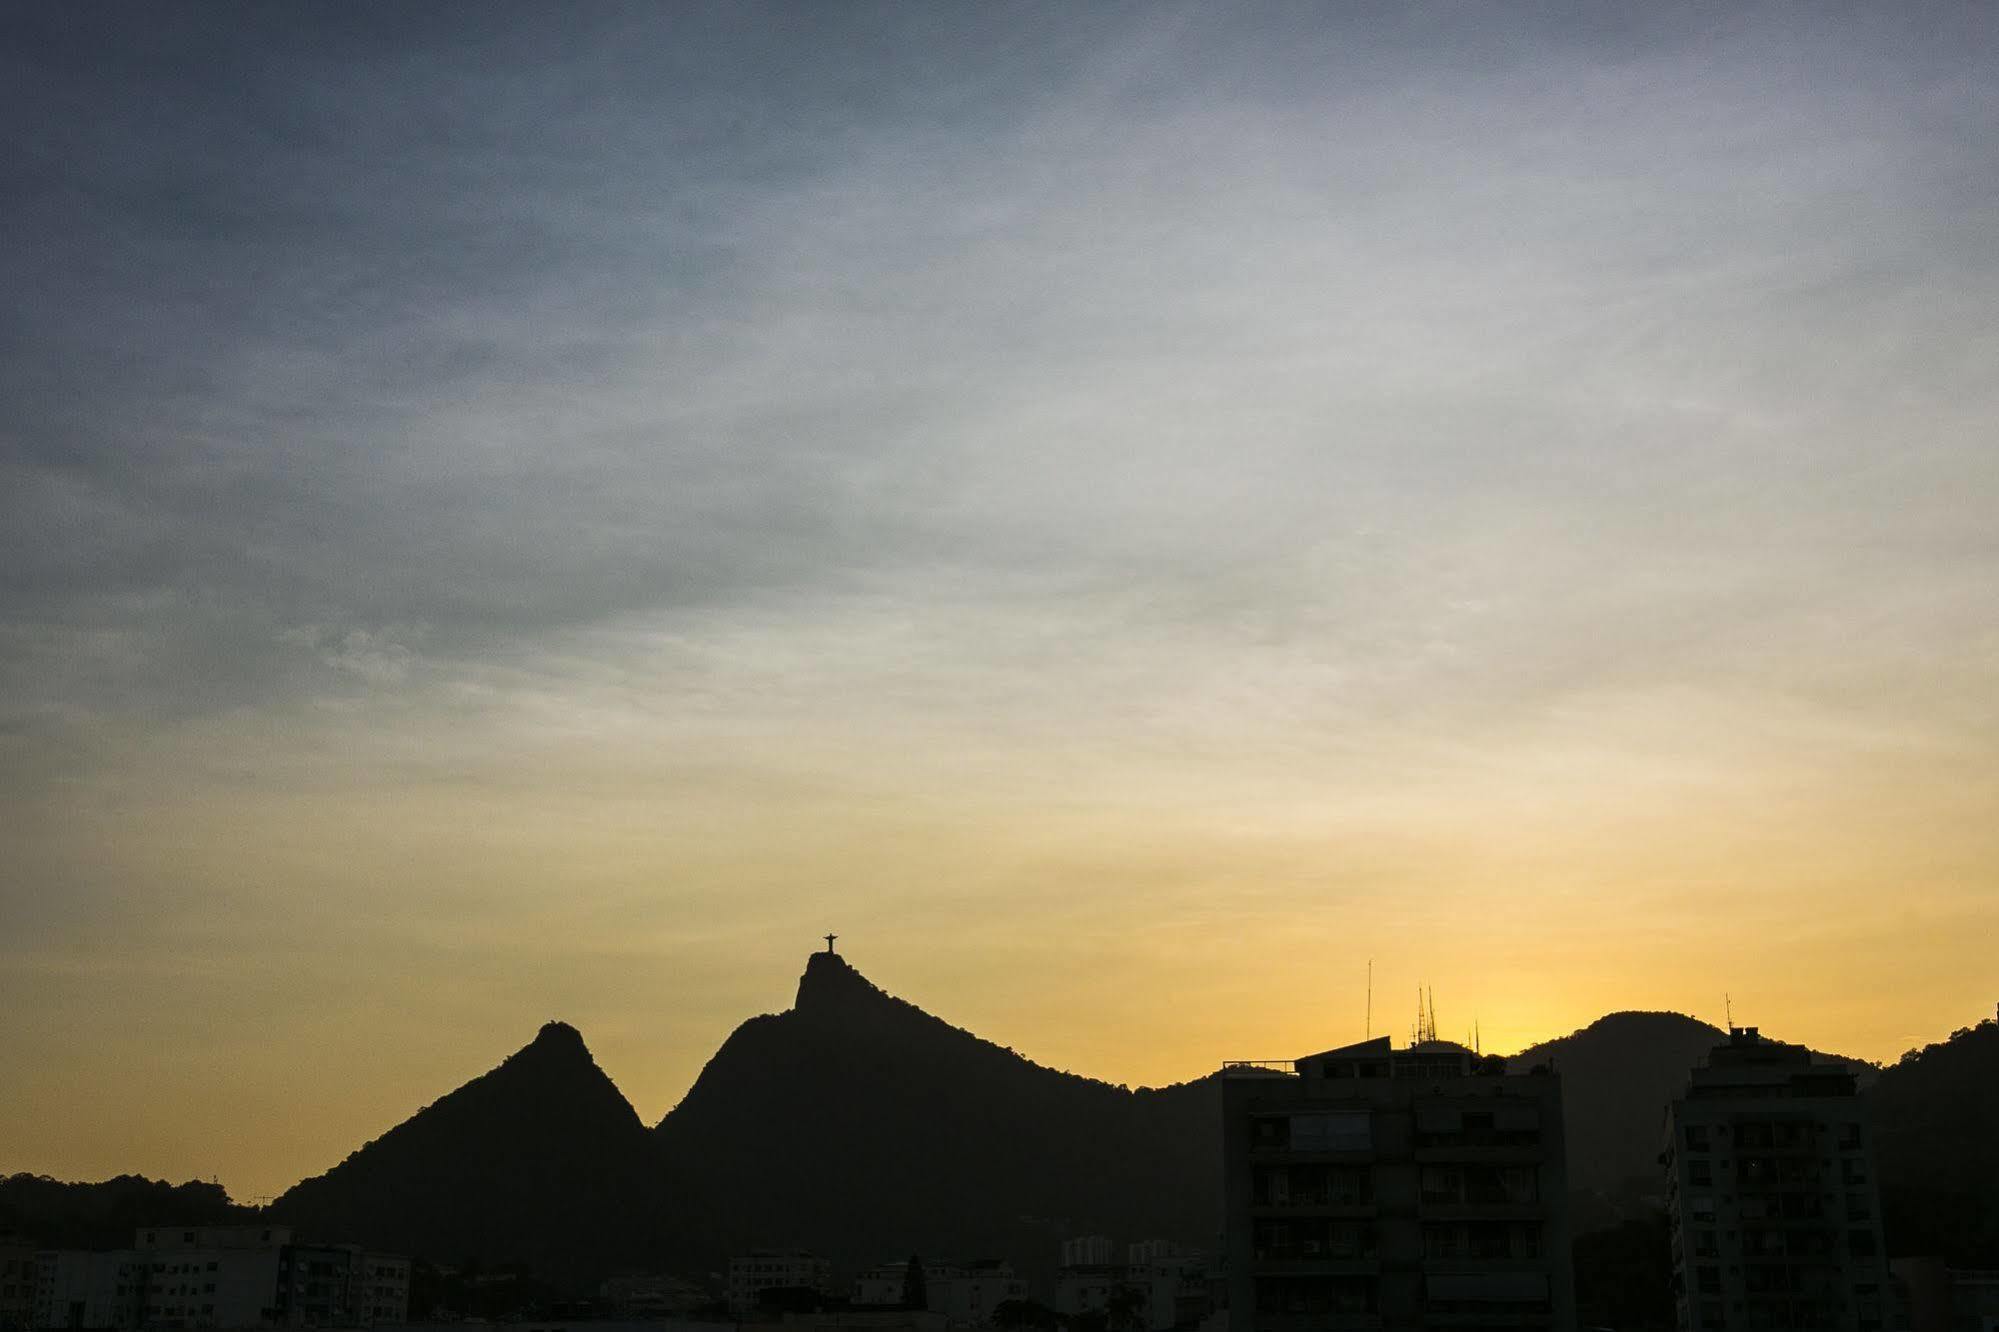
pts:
[557, 1036]
[831, 982]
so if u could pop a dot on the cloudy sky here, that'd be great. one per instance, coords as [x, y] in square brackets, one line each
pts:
[1125, 513]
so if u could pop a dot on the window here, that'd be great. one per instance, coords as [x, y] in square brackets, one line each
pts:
[1347, 1132]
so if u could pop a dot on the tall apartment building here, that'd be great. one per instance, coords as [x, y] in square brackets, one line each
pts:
[1370, 1187]
[1771, 1194]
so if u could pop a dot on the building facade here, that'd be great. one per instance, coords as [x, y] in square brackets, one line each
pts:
[75, 1288]
[219, 1277]
[1370, 1187]
[17, 1282]
[753, 1273]
[1771, 1194]
[965, 1293]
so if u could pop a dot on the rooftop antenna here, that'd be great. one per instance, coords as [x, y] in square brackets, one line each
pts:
[1728, 1007]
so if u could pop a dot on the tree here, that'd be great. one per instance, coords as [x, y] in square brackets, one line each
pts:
[914, 1295]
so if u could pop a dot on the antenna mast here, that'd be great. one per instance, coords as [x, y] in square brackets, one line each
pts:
[1370, 999]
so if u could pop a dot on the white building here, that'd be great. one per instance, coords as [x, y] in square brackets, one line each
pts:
[753, 1273]
[177, 1277]
[78, 1289]
[1087, 1251]
[1170, 1284]
[212, 1276]
[1160, 1285]
[17, 1282]
[966, 1293]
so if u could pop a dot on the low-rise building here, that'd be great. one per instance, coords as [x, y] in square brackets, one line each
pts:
[17, 1282]
[753, 1273]
[76, 1288]
[185, 1277]
[1171, 1284]
[1159, 1285]
[965, 1293]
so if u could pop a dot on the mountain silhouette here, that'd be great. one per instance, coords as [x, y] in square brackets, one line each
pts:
[541, 1160]
[1617, 1074]
[861, 1126]
[1937, 1149]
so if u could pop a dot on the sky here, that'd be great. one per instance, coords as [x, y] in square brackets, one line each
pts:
[1124, 513]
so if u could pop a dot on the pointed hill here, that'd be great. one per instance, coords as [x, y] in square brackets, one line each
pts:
[538, 1160]
[1618, 1073]
[860, 1126]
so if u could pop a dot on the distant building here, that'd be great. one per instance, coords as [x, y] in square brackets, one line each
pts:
[1089, 1276]
[1168, 1284]
[1160, 1284]
[1370, 1187]
[214, 1276]
[220, 1277]
[753, 1273]
[965, 1293]
[1974, 1301]
[1087, 1251]
[1771, 1194]
[1945, 1299]
[651, 1295]
[79, 1289]
[859, 1320]
[17, 1282]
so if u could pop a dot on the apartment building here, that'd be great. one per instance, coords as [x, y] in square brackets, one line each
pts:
[176, 1277]
[753, 1273]
[1371, 1187]
[17, 1282]
[75, 1288]
[965, 1293]
[1771, 1193]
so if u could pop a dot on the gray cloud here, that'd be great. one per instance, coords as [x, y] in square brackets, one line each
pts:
[1543, 348]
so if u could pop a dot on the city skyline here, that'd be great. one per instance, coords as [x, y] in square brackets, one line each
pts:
[1123, 514]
